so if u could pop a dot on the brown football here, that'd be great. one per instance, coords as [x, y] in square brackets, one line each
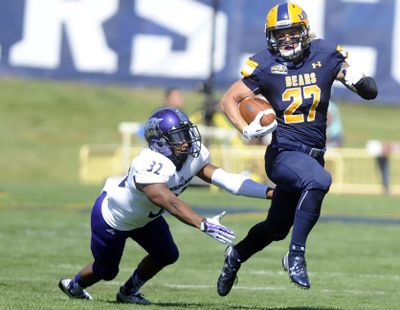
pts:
[250, 106]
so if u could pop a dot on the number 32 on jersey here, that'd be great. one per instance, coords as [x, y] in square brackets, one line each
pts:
[297, 96]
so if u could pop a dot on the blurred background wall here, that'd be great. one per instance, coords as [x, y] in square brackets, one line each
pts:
[162, 43]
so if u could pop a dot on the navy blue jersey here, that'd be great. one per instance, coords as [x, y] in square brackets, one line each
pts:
[298, 93]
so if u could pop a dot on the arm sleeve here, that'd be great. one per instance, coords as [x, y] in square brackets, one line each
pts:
[238, 184]
[366, 88]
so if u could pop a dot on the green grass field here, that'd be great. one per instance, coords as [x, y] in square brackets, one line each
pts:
[353, 252]
[353, 264]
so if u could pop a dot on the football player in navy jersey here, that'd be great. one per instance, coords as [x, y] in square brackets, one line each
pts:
[295, 74]
[134, 207]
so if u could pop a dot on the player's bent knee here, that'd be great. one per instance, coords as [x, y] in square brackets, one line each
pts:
[279, 235]
[109, 276]
[273, 232]
[322, 181]
[169, 257]
[106, 274]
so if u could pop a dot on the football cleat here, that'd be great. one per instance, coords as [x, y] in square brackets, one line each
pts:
[73, 291]
[228, 274]
[297, 269]
[136, 298]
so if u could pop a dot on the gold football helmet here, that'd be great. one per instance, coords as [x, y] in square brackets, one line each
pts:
[287, 31]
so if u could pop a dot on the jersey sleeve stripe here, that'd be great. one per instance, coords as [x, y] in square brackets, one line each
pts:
[248, 68]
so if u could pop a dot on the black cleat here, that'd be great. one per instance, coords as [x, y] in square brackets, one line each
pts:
[136, 298]
[228, 274]
[297, 269]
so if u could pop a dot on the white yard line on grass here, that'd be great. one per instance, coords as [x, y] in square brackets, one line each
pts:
[330, 274]
[273, 288]
[249, 288]
[261, 288]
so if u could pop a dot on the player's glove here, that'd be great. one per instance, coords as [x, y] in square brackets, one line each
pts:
[213, 228]
[255, 130]
[352, 76]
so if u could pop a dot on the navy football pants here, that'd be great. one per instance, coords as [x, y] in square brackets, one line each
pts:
[295, 174]
[108, 244]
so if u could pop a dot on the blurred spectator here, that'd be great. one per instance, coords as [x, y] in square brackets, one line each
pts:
[383, 163]
[381, 151]
[173, 98]
[334, 130]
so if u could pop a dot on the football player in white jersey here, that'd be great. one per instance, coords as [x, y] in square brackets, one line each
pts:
[133, 207]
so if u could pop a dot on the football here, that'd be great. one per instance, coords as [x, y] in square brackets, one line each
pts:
[250, 106]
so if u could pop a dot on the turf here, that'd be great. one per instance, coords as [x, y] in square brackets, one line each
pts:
[353, 264]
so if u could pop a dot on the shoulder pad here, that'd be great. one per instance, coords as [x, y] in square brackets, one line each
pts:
[152, 167]
[205, 153]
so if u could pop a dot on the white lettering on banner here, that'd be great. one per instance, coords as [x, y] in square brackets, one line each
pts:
[395, 68]
[316, 19]
[40, 46]
[362, 57]
[152, 55]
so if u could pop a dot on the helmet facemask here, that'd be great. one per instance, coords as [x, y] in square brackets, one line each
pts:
[185, 140]
[290, 49]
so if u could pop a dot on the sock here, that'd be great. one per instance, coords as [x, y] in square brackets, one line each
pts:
[75, 280]
[133, 285]
[307, 214]
[296, 249]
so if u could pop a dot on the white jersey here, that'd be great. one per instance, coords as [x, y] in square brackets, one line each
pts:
[125, 207]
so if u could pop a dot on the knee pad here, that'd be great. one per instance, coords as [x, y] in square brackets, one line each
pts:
[322, 181]
[105, 272]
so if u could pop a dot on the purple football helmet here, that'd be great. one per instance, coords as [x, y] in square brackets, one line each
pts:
[167, 129]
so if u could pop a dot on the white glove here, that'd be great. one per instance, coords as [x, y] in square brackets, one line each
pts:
[255, 130]
[213, 228]
[352, 76]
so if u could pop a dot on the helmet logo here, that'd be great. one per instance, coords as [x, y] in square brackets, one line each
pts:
[153, 126]
[302, 16]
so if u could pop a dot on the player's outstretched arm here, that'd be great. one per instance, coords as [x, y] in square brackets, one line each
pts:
[236, 184]
[160, 195]
[356, 81]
